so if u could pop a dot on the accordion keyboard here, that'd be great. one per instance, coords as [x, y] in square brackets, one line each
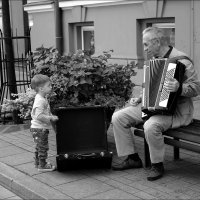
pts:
[164, 93]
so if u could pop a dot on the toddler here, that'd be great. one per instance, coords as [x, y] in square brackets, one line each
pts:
[41, 121]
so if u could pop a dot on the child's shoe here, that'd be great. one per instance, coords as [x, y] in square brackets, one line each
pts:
[48, 167]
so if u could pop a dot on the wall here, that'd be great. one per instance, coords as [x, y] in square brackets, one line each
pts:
[43, 30]
[187, 35]
[17, 24]
[196, 36]
[181, 12]
[116, 27]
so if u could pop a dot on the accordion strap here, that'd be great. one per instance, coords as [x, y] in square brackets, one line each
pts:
[181, 58]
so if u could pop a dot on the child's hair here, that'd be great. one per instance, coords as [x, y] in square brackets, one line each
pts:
[38, 81]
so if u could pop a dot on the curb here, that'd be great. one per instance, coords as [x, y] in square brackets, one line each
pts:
[25, 186]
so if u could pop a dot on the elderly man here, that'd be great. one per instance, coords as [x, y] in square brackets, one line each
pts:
[156, 46]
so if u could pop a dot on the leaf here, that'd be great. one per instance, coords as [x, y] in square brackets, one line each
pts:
[83, 81]
[89, 80]
[46, 60]
[53, 68]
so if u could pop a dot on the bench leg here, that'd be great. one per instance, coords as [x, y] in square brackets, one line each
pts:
[176, 151]
[146, 155]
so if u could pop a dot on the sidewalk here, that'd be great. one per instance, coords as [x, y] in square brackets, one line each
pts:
[17, 173]
[6, 194]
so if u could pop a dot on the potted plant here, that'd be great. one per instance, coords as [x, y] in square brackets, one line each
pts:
[78, 79]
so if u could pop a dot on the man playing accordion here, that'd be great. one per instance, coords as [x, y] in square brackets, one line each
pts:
[156, 46]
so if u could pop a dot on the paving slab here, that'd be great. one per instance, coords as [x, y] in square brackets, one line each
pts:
[56, 178]
[84, 188]
[26, 186]
[18, 174]
[18, 159]
[6, 194]
[113, 194]
[11, 150]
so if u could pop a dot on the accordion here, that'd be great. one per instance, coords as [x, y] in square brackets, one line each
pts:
[155, 98]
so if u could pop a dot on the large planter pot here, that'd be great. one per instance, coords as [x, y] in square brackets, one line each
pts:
[82, 137]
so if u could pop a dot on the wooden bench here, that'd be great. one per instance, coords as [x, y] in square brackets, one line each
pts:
[187, 137]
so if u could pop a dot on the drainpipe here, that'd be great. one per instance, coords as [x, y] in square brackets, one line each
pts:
[58, 27]
[26, 29]
[9, 62]
[9, 48]
[192, 29]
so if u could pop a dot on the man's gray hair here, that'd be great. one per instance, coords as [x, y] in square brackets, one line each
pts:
[155, 33]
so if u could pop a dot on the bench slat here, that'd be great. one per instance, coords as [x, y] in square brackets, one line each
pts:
[173, 133]
[184, 136]
[182, 144]
[189, 130]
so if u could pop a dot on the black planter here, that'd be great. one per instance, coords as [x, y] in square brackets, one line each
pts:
[82, 137]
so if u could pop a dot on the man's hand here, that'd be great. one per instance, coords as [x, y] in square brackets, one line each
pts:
[171, 85]
[135, 101]
[54, 118]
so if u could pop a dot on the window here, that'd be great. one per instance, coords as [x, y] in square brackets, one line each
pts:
[87, 37]
[30, 19]
[169, 29]
[81, 36]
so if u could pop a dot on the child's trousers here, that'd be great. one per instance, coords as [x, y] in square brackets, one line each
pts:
[40, 137]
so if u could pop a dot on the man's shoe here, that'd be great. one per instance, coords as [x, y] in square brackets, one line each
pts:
[156, 172]
[128, 164]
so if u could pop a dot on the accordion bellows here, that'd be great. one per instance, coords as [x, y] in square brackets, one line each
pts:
[156, 99]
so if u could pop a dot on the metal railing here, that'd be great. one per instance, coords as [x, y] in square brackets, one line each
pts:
[22, 63]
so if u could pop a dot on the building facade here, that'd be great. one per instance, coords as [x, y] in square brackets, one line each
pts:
[116, 25]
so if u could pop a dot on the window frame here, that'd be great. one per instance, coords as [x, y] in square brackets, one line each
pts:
[85, 28]
[75, 34]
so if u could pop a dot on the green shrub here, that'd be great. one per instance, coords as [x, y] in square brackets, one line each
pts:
[78, 80]
[82, 80]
